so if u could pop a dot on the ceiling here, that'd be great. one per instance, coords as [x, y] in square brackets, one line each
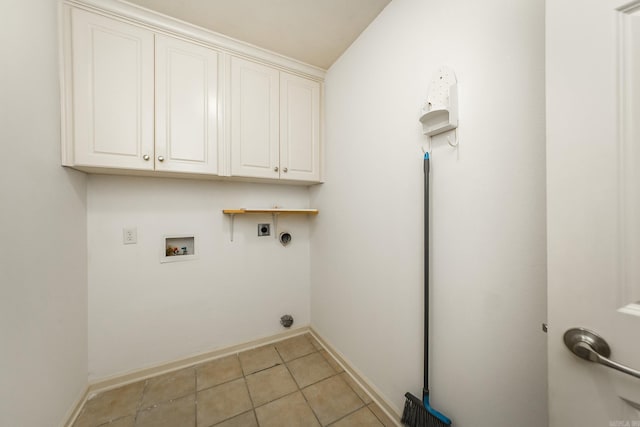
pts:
[313, 31]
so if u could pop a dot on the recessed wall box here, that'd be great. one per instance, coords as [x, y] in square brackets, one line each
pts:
[178, 248]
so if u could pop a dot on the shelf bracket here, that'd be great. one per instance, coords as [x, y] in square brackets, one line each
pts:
[274, 216]
[232, 219]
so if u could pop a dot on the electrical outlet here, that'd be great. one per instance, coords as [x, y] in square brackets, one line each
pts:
[264, 229]
[130, 236]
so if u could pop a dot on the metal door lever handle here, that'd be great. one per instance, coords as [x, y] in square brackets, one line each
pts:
[590, 346]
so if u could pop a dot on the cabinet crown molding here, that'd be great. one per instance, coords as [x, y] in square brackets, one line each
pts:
[171, 26]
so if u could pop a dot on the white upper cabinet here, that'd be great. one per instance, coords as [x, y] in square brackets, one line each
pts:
[299, 128]
[113, 65]
[186, 107]
[275, 123]
[254, 120]
[145, 94]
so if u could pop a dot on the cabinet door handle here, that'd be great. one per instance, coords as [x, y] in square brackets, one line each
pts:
[276, 169]
[160, 159]
[285, 170]
[146, 157]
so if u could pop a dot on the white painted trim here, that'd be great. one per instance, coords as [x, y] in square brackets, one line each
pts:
[625, 116]
[223, 96]
[371, 390]
[115, 381]
[75, 409]
[165, 24]
[66, 85]
[322, 132]
[112, 382]
[109, 383]
[631, 309]
[97, 170]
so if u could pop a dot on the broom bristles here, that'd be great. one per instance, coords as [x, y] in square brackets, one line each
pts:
[416, 415]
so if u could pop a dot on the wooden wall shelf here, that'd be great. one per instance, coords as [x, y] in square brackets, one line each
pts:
[242, 211]
[275, 212]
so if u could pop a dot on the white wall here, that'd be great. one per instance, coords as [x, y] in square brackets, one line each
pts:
[143, 313]
[43, 267]
[488, 210]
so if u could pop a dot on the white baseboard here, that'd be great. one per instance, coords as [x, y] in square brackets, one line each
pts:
[116, 381]
[119, 380]
[374, 393]
[74, 411]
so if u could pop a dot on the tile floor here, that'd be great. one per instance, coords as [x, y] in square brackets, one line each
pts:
[290, 383]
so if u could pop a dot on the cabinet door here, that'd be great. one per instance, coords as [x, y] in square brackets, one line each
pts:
[254, 120]
[299, 128]
[112, 92]
[186, 107]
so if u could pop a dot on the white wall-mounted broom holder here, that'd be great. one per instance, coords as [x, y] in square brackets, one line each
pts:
[440, 111]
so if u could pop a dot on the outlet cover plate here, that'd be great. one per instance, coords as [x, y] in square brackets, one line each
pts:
[130, 236]
[264, 229]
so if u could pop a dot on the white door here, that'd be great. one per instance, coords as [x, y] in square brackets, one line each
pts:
[186, 107]
[254, 120]
[299, 128]
[593, 196]
[112, 92]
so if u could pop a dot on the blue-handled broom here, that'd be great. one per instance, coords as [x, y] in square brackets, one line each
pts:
[419, 413]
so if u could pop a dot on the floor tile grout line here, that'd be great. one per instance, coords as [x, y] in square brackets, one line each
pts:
[296, 337]
[225, 420]
[219, 384]
[321, 379]
[280, 397]
[223, 382]
[163, 402]
[113, 420]
[138, 409]
[302, 393]
[326, 357]
[356, 384]
[295, 381]
[168, 401]
[301, 390]
[372, 402]
[246, 384]
[242, 375]
[364, 405]
[311, 407]
[232, 416]
[251, 373]
[309, 340]
[195, 397]
[244, 380]
[193, 365]
[263, 369]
